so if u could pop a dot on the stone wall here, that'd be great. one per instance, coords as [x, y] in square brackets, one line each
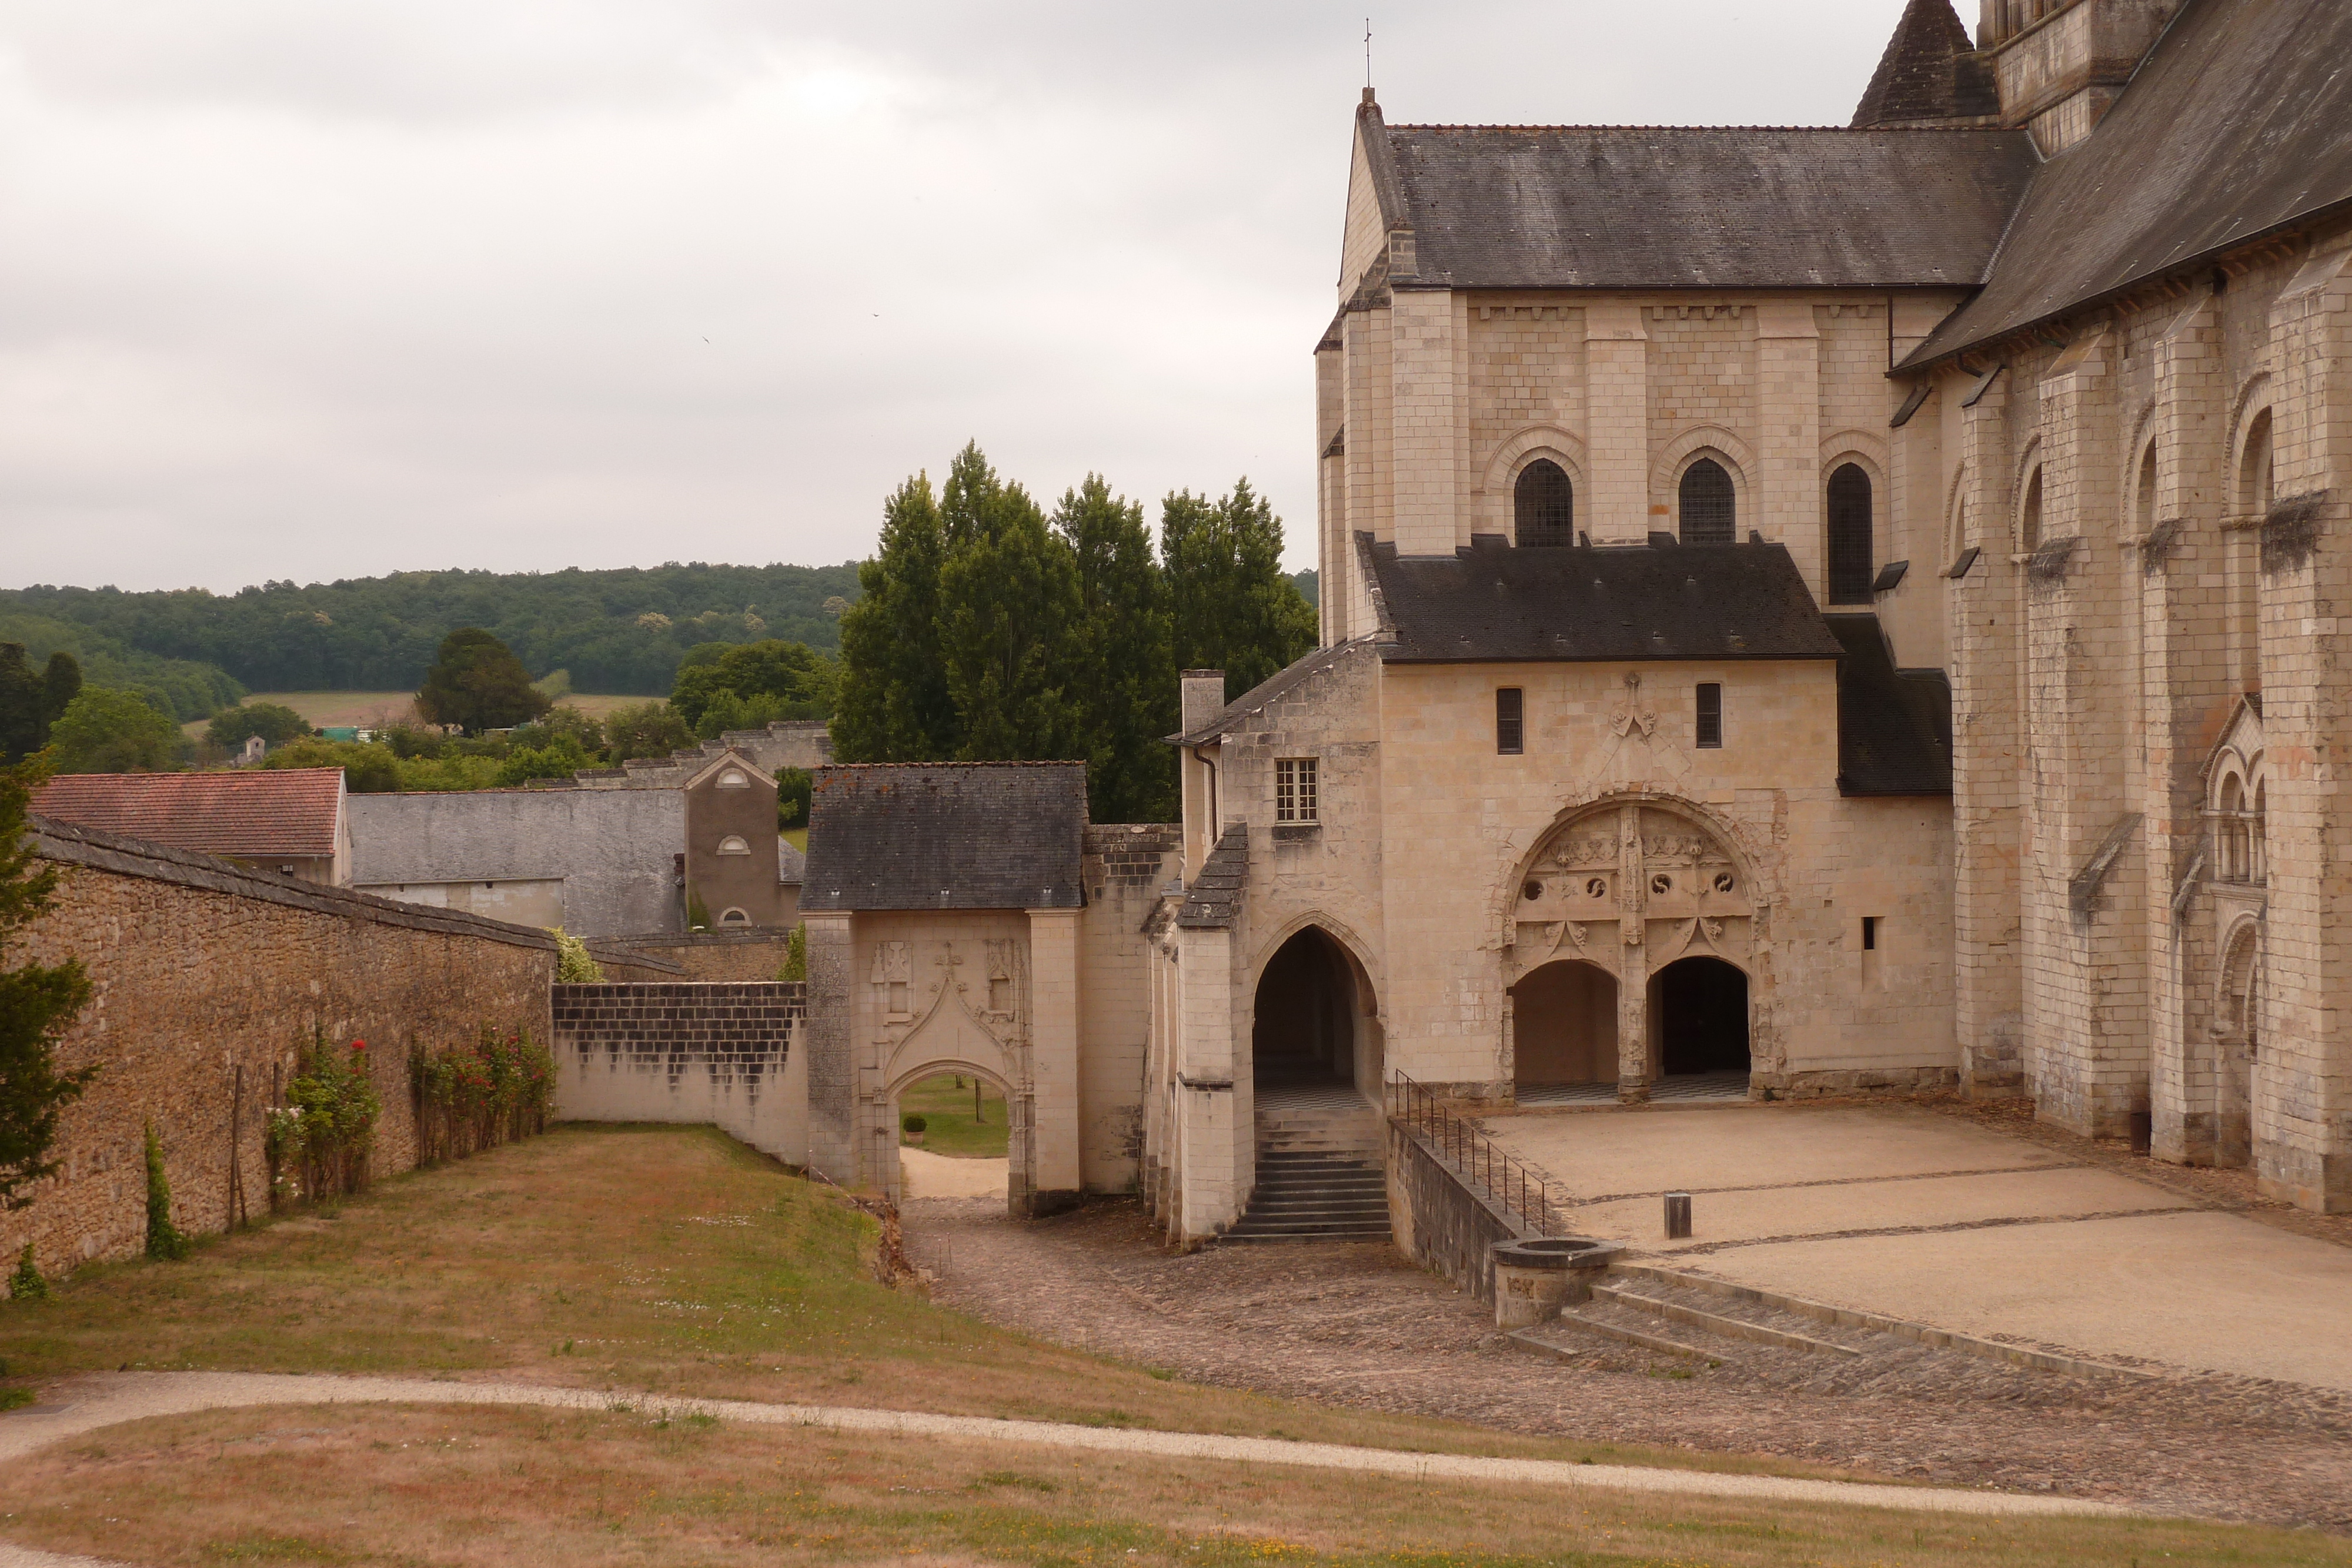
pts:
[698, 1052]
[1438, 1222]
[756, 955]
[598, 862]
[203, 970]
[1124, 868]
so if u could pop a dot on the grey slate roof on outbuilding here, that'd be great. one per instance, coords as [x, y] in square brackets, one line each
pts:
[1492, 602]
[1618, 206]
[1272, 689]
[946, 835]
[2239, 123]
[1895, 726]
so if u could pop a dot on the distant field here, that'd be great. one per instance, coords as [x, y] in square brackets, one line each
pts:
[334, 709]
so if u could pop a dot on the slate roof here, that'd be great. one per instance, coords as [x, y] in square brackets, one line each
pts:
[2239, 121]
[1491, 602]
[1929, 72]
[1617, 206]
[1215, 895]
[792, 865]
[261, 813]
[946, 835]
[1895, 726]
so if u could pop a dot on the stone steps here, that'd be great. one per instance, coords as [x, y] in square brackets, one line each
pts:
[1319, 1175]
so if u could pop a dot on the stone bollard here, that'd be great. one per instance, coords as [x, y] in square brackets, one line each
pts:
[1533, 1279]
[1678, 1216]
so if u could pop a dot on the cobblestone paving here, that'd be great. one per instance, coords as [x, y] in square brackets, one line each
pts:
[1357, 1326]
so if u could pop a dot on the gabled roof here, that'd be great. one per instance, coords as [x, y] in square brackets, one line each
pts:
[725, 757]
[1272, 688]
[1929, 72]
[2239, 123]
[1895, 726]
[256, 813]
[1215, 895]
[946, 835]
[1492, 602]
[1620, 207]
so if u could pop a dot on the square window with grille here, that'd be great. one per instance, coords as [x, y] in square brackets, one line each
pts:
[1710, 714]
[1510, 721]
[1295, 789]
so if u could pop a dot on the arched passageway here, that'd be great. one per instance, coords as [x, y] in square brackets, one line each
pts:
[1564, 1026]
[1306, 1027]
[1699, 1008]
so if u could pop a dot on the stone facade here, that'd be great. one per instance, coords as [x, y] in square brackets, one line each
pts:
[210, 981]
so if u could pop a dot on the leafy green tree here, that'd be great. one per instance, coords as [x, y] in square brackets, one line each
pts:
[24, 724]
[563, 725]
[60, 683]
[369, 768]
[644, 729]
[560, 761]
[1009, 603]
[477, 684]
[895, 705]
[106, 731]
[794, 790]
[1127, 698]
[800, 679]
[1232, 608]
[38, 1003]
[273, 722]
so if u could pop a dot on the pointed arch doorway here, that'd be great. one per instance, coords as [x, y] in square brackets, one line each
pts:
[1310, 1026]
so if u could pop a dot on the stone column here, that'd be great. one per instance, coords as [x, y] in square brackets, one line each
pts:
[1053, 1059]
[1212, 1119]
[1981, 632]
[1790, 505]
[1617, 425]
[1635, 1068]
[1425, 422]
[832, 1044]
[2302, 1077]
[2184, 684]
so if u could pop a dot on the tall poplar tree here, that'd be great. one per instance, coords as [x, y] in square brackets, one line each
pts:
[1127, 697]
[1231, 609]
[893, 705]
[1009, 603]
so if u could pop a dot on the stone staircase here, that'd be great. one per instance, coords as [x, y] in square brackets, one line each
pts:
[1319, 1175]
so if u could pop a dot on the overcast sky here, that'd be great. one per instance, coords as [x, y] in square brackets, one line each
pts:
[294, 289]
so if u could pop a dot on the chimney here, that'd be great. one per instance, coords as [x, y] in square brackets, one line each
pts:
[1204, 697]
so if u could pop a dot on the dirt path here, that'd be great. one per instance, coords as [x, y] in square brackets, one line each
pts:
[1356, 1325]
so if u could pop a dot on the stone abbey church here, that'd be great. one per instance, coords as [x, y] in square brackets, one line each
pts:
[1802, 608]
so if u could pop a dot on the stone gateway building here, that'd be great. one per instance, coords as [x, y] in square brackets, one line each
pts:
[1829, 608]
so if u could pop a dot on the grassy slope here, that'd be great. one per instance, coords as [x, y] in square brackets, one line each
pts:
[948, 1109]
[672, 1258]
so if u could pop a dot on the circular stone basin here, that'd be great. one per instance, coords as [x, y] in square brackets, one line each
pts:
[1555, 1252]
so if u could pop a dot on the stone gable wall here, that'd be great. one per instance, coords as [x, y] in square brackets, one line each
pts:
[200, 969]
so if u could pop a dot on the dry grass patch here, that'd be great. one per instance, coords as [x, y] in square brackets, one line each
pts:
[399, 1484]
[664, 1260]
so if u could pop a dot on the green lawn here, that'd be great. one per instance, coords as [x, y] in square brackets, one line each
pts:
[946, 1102]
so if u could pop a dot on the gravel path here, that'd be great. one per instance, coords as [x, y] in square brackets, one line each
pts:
[1354, 1324]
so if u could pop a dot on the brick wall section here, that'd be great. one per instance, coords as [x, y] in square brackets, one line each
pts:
[200, 967]
[682, 1052]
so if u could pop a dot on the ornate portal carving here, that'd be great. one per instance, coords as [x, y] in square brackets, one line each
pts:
[1663, 879]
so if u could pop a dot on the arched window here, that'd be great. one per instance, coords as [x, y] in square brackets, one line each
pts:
[2254, 468]
[1543, 504]
[733, 778]
[1851, 566]
[2145, 501]
[731, 845]
[2258, 859]
[734, 917]
[2028, 515]
[2230, 823]
[1708, 508]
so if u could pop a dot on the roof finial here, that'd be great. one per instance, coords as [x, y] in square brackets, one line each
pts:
[1368, 59]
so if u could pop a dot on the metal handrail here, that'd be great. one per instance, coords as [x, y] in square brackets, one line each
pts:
[1474, 1156]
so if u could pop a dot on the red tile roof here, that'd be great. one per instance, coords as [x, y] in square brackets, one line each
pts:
[261, 813]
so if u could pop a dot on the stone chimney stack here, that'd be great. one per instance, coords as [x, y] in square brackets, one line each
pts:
[1204, 697]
